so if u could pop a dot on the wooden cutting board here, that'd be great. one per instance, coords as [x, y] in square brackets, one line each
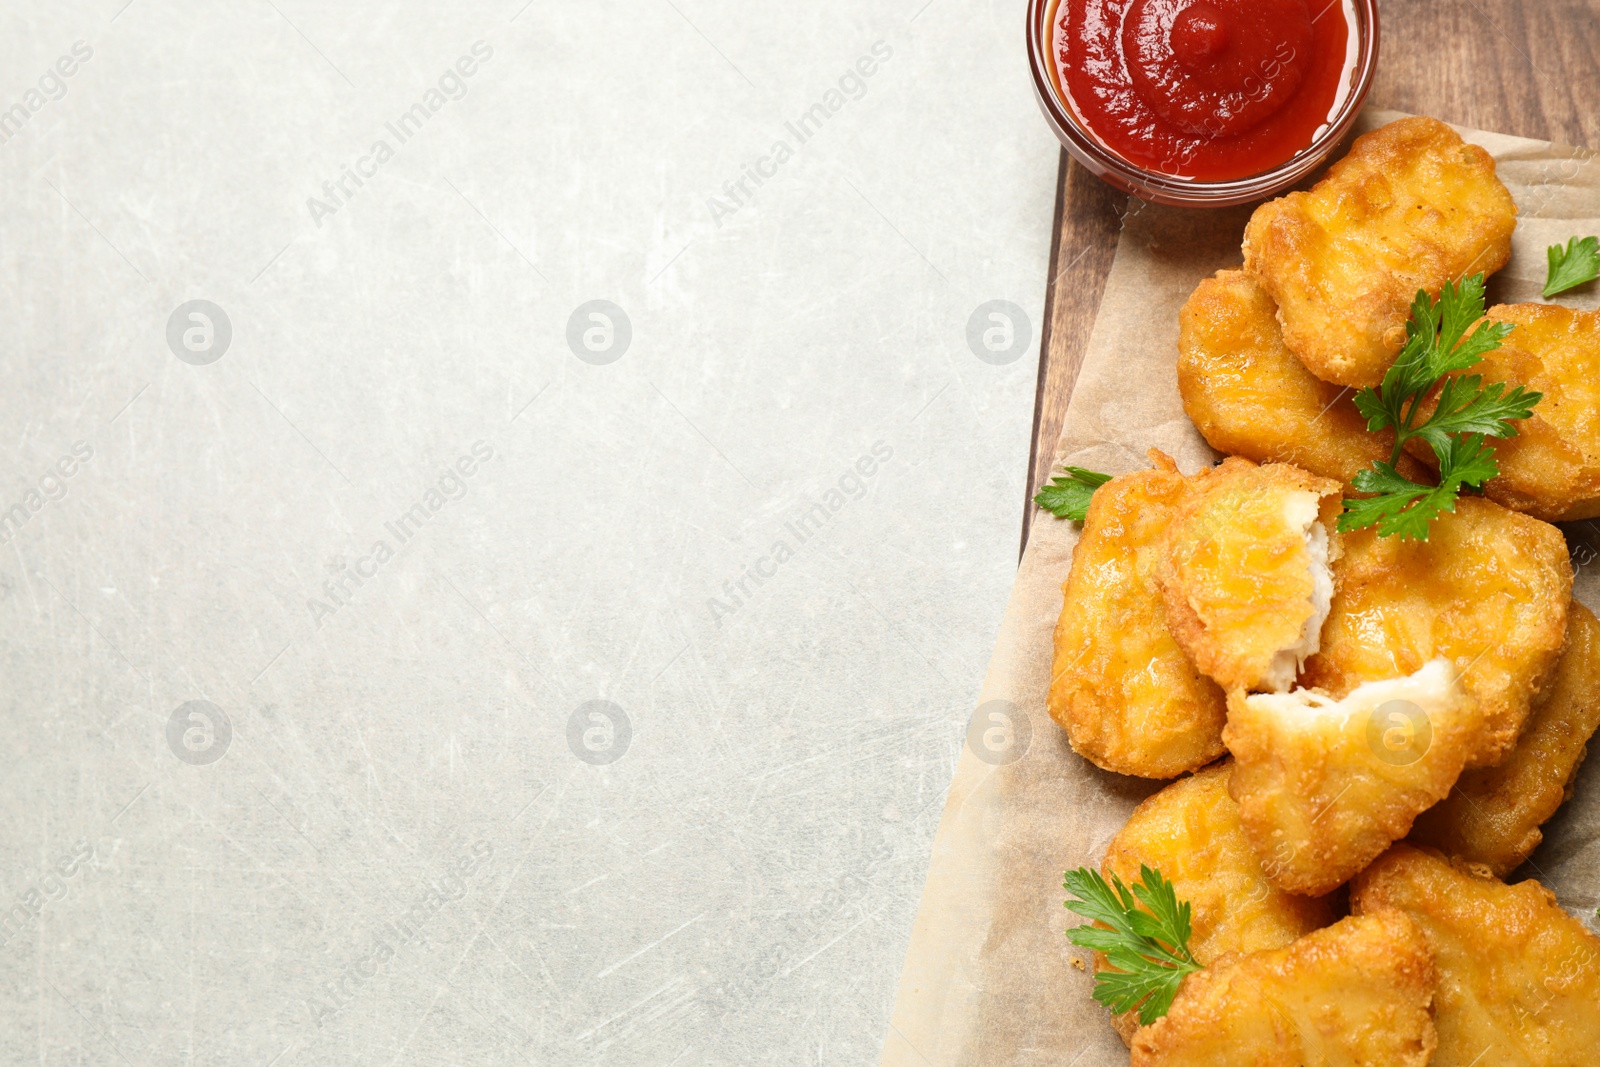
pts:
[1525, 67]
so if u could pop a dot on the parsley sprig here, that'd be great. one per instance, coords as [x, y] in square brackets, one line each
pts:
[1465, 413]
[1148, 948]
[1068, 497]
[1572, 266]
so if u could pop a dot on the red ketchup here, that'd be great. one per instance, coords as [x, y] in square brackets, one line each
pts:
[1202, 89]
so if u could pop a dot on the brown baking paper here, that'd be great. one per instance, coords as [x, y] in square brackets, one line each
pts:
[990, 977]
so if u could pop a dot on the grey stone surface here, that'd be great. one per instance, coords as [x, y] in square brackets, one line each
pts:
[436, 672]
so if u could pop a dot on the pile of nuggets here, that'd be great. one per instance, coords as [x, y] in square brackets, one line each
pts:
[1370, 730]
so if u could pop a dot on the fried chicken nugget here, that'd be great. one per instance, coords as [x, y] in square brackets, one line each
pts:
[1411, 207]
[1129, 699]
[1519, 978]
[1325, 786]
[1355, 994]
[1245, 575]
[1249, 396]
[1551, 469]
[1493, 815]
[1190, 832]
[1488, 590]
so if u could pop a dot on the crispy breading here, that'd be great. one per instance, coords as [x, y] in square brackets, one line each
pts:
[1325, 786]
[1488, 590]
[1519, 978]
[1411, 207]
[1190, 832]
[1355, 994]
[1245, 575]
[1249, 396]
[1493, 815]
[1129, 699]
[1551, 468]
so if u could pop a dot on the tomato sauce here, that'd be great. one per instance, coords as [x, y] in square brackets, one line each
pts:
[1202, 89]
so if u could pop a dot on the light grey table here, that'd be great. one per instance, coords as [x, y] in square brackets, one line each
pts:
[504, 510]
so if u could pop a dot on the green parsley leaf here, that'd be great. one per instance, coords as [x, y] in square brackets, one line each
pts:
[1460, 306]
[1405, 508]
[1466, 405]
[1392, 508]
[1468, 461]
[1413, 371]
[1148, 946]
[1068, 497]
[1465, 411]
[1572, 266]
[1402, 507]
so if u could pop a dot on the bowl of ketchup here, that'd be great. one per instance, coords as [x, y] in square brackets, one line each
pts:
[1202, 102]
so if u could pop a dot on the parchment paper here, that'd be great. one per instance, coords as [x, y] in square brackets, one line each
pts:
[990, 977]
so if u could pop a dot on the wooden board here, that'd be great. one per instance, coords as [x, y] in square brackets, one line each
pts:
[1527, 67]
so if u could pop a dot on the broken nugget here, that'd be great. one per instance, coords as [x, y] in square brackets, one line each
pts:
[1128, 697]
[1488, 591]
[1250, 396]
[1245, 577]
[1411, 207]
[1355, 994]
[1324, 786]
[1493, 815]
[1519, 978]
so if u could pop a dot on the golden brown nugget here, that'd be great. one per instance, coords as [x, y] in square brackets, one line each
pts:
[1355, 994]
[1551, 468]
[1325, 786]
[1411, 207]
[1249, 396]
[1129, 699]
[1519, 978]
[1190, 832]
[1488, 590]
[1493, 815]
[1245, 577]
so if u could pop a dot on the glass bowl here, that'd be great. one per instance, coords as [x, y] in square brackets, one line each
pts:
[1091, 152]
